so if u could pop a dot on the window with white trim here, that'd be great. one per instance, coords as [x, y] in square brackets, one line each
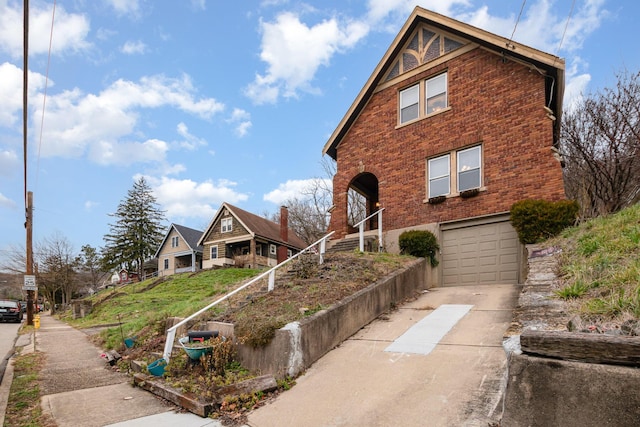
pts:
[410, 103]
[272, 249]
[439, 176]
[175, 241]
[289, 253]
[259, 249]
[469, 168]
[467, 164]
[422, 99]
[436, 93]
[226, 224]
[166, 264]
[214, 252]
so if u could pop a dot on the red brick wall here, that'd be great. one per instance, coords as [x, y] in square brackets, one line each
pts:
[496, 104]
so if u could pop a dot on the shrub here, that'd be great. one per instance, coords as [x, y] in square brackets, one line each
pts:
[420, 243]
[538, 220]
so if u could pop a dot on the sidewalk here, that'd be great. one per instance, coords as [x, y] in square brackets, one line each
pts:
[79, 390]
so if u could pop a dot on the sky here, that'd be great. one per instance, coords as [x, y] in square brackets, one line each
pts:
[224, 101]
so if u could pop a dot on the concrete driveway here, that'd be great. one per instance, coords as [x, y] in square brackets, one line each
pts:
[372, 380]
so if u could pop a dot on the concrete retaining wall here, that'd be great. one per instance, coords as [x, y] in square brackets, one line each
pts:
[543, 392]
[299, 344]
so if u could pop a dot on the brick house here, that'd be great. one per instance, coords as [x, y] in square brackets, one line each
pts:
[179, 251]
[237, 237]
[453, 126]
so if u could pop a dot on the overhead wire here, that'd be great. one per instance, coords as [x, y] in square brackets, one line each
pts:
[517, 21]
[566, 25]
[44, 98]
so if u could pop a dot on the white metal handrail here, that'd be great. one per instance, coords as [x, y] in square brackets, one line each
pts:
[360, 226]
[171, 332]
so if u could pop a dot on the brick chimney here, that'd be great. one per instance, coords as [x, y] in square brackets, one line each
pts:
[284, 233]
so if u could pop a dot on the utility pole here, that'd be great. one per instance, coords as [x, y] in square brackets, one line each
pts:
[28, 196]
[29, 226]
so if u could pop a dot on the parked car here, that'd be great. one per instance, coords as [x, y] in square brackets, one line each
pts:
[10, 310]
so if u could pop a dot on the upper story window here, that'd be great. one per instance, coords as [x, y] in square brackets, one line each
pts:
[467, 165]
[424, 98]
[436, 93]
[410, 103]
[226, 224]
[174, 242]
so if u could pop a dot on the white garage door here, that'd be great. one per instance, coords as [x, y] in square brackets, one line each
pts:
[480, 254]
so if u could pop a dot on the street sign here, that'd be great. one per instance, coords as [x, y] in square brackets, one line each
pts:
[29, 283]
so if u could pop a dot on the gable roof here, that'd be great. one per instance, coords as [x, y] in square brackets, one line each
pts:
[189, 235]
[257, 226]
[552, 65]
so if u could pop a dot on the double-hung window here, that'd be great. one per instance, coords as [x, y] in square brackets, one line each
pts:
[455, 172]
[410, 104]
[227, 224]
[469, 169]
[174, 242]
[424, 98]
[214, 252]
[436, 93]
[439, 176]
[166, 264]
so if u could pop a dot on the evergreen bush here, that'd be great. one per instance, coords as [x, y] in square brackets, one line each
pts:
[420, 243]
[538, 220]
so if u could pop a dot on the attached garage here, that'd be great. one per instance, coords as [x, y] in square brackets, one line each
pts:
[480, 252]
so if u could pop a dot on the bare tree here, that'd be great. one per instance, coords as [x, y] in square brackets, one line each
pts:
[309, 212]
[56, 265]
[600, 144]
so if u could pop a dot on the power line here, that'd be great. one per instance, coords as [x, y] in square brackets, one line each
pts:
[517, 21]
[573, 3]
[44, 99]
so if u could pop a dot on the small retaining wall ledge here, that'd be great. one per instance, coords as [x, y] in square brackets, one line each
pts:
[299, 344]
[549, 383]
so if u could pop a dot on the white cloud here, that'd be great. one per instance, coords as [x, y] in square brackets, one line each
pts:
[70, 29]
[242, 121]
[189, 199]
[125, 7]
[292, 189]
[294, 51]
[11, 92]
[89, 205]
[190, 141]
[9, 162]
[77, 121]
[127, 153]
[5, 202]
[134, 47]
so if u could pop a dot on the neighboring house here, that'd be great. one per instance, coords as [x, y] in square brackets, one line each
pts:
[240, 238]
[179, 251]
[454, 125]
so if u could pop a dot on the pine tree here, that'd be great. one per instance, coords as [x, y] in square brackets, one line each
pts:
[137, 232]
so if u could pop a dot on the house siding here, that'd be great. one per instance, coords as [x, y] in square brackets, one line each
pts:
[217, 235]
[494, 103]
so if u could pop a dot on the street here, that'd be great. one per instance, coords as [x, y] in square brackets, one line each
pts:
[8, 334]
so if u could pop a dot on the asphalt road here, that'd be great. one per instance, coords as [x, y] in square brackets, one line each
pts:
[8, 335]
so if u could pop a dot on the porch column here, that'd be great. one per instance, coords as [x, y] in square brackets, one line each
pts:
[252, 251]
[193, 261]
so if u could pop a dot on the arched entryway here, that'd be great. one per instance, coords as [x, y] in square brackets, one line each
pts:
[362, 201]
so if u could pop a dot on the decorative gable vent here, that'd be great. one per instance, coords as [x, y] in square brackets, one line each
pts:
[424, 46]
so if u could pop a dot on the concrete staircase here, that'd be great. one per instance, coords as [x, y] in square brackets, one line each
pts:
[350, 244]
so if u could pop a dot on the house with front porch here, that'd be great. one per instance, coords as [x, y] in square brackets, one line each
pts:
[242, 239]
[179, 251]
